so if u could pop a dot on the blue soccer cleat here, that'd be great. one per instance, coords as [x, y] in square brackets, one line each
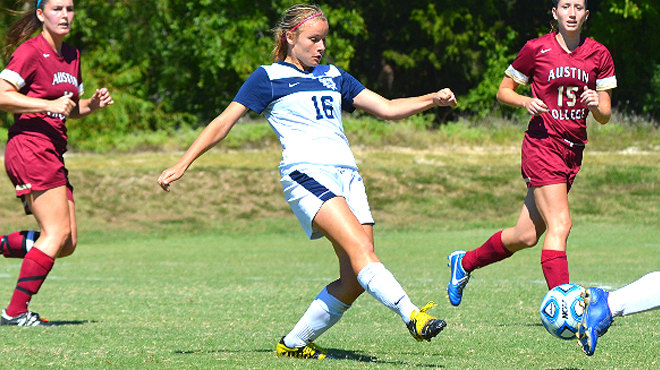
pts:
[596, 320]
[459, 278]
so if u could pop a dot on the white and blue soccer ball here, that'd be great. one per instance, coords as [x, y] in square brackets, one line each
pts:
[562, 309]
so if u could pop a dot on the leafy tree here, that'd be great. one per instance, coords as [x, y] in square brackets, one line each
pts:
[417, 47]
[629, 29]
[192, 56]
[180, 62]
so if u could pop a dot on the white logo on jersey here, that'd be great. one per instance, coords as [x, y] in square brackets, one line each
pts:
[328, 82]
[569, 72]
[543, 51]
[292, 84]
[46, 55]
[63, 77]
[56, 115]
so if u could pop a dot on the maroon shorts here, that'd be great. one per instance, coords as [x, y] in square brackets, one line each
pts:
[550, 160]
[33, 164]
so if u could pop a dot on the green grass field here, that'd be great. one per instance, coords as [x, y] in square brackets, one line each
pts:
[222, 300]
[211, 275]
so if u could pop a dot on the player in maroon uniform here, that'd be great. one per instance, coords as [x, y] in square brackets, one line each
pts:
[41, 85]
[570, 76]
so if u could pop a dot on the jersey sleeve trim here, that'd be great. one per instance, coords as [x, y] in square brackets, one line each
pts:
[256, 92]
[13, 78]
[607, 83]
[351, 87]
[517, 76]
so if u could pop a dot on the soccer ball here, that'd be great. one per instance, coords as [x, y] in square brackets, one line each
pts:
[562, 309]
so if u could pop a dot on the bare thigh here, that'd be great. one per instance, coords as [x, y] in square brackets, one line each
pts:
[341, 227]
[51, 210]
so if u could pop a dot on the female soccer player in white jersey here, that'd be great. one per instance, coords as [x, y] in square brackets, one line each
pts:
[601, 307]
[302, 100]
[570, 76]
[42, 86]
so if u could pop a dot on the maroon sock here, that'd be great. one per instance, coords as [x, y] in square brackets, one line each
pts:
[35, 268]
[15, 245]
[555, 267]
[491, 251]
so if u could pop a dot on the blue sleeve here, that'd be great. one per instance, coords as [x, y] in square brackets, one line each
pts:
[350, 88]
[256, 92]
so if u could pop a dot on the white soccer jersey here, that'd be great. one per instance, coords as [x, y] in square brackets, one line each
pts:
[304, 110]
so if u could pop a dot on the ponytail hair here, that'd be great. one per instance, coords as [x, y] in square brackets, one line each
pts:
[25, 27]
[294, 17]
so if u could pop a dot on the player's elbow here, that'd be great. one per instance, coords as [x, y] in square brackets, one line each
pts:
[498, 96]
[602, 118]
[504, 96]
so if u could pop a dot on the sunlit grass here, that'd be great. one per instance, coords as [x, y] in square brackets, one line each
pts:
[211, 274]
[222, 300]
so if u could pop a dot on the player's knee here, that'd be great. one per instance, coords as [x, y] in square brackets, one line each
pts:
[358, 245]
[59, 237]
[528, 239]
[561, 228]
[68, 248]
[364, 249]
[360, 254]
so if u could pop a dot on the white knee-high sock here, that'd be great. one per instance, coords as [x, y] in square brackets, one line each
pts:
[638, 296]
[321, 315]
[381, 284]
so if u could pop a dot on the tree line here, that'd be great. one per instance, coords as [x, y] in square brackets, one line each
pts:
[180, 62]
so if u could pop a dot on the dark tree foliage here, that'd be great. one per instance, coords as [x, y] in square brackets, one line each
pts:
[174, 62]
[630, 30]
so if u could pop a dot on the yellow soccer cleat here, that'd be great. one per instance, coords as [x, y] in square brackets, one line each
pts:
[423, 326]
[310, 350]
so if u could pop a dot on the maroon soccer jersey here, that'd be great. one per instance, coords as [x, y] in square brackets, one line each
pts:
[37, 70]
[558, 78]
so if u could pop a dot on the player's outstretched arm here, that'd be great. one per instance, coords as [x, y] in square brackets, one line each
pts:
[207, 139]
[395, 109]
